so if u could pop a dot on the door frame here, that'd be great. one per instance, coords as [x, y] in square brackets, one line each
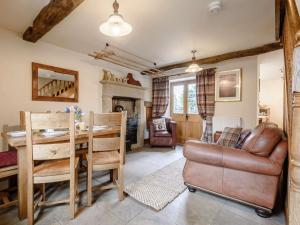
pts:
[185, 113]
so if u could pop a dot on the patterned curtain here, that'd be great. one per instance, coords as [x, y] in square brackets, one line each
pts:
[160, 96]
[205, 91]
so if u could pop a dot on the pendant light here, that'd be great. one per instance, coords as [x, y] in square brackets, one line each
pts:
[194, 67]
[115, 26]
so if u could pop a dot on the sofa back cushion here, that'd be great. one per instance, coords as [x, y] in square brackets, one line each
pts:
[262, 140]
[229, 137]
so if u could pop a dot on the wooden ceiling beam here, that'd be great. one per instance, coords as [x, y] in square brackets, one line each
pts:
[231, 55]
[49, 16]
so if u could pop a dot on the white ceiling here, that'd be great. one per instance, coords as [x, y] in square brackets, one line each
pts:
[164, 31]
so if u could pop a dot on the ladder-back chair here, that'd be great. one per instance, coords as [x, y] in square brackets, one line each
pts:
[107, 153]
[50, 162]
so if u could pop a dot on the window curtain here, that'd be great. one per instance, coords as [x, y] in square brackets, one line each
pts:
[160, 96]
[205, 91]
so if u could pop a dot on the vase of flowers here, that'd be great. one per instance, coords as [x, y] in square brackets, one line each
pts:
[77, 110]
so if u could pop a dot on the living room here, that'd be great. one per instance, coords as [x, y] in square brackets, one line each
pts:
[167, 119]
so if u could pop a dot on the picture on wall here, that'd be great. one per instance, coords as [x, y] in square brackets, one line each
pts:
[228, 86]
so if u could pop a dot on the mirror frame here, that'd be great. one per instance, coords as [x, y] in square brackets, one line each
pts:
[36, 97]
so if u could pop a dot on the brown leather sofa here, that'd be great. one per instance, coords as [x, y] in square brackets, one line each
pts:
[164, 138]
[250, 175]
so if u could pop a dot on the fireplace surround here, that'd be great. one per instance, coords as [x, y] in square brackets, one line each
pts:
[112, 90]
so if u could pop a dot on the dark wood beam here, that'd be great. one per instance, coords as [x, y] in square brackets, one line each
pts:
[231, 55]
[279, 17]
[48, 17]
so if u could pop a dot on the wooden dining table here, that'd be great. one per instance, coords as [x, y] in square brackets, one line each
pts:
[19, 143]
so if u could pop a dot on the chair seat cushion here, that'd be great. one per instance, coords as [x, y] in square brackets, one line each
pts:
[8, 158]
[162, 134]
[54, 167]
[108, 157]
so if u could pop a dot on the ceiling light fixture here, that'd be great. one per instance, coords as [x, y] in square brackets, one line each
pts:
[215, 7]
[115, 26]
[194, 67]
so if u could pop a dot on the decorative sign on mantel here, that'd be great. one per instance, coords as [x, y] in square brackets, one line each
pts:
[108, 76]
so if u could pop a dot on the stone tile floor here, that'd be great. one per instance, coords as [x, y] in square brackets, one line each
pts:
[188, 209]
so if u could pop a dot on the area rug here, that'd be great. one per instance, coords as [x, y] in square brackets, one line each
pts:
[159, 188]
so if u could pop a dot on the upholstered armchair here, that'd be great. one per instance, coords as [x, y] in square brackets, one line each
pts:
[163, 138]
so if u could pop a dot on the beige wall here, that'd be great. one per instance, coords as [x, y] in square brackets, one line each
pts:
[247, 107]
[16, 56]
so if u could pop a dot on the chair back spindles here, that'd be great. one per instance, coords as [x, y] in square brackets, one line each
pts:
[44, 121]
[107, 152]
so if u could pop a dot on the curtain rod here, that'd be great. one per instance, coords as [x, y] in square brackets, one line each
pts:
[179, 74]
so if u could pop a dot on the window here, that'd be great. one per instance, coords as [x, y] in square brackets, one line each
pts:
[191, 99]
[178, 99]
[183, 97]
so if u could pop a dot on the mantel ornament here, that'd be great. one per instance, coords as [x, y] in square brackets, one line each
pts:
[107, 75]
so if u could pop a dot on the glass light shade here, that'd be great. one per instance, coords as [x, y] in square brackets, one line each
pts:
[115, 26]
[193, 68]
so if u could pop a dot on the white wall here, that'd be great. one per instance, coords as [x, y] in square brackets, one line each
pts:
[271, 84]
[271, 94]
[247, 107]
[16, 57]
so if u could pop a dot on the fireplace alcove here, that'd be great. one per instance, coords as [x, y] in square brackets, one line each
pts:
[127, 104]
[131, 98]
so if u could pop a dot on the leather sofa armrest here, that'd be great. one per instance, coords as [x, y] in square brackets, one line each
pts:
[174, 133]
[231, 158]
[203, 153]
[172, 126]
[152, 131]
[243, 160]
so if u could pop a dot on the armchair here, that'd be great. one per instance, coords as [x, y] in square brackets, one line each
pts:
[164, 138]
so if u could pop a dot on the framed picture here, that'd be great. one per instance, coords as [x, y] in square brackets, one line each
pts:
[228, 86]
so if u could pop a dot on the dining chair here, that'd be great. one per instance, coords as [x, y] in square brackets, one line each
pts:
[7, 128]
[8, 167]
[106, 152]
[49, 163]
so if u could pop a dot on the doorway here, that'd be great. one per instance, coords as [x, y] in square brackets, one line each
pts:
[271, 88]
[183, 110]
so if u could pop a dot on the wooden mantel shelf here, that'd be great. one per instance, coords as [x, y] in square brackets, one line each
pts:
[121, 84]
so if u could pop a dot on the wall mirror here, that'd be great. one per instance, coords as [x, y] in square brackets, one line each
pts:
[51, 83]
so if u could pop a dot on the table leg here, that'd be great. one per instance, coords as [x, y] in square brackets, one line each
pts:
[22, 183]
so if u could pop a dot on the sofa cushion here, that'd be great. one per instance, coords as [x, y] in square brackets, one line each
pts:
[229, 137]
[159, 124]
[242, 138]
[262, 140]
[162, 134]
[8, 158]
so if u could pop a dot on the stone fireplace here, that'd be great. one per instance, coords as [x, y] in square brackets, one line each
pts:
[131, 97]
